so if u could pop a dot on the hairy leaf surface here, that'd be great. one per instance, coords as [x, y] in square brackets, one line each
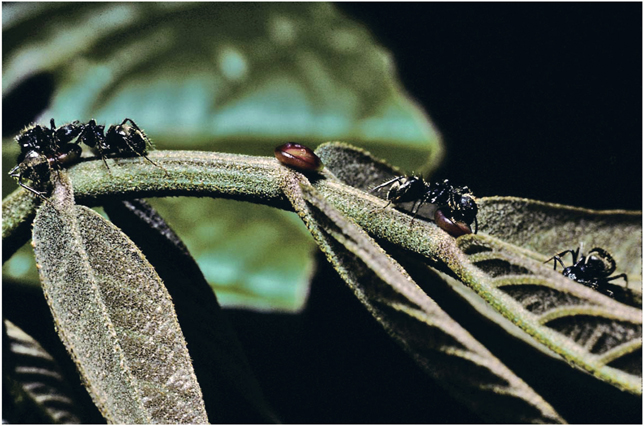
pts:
[579, 324]
[549, 228]
[443, 349]
[115, 317]
[231, 392]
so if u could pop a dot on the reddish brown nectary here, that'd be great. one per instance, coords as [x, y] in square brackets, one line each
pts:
[299, 157]
[455, 229]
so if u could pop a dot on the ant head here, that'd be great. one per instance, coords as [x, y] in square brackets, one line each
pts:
[570, 272]
[34, 137]
[32, 165]
[465, 208]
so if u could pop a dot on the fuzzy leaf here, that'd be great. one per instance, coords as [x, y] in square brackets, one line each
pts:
[581, 325]
[34, 381]
[20, 207]
[442, 348]
[115, 316]
[231, 392]
[585, 327]
[549, 228]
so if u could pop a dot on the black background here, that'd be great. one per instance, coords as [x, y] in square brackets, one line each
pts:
[537, 100]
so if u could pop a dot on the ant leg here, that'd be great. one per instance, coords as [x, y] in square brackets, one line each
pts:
[96, 144]
[139, 154]
[33, 191]
[476, 225]
[100, 152]
[132, 123]
[624, 276]
[574, 254]
[389, 182]
[420, 204]
[147, 140]
[417, 208]
[14, 173]
[557, 258]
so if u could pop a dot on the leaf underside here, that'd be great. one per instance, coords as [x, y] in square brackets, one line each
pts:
[582, 326]
[443, 349]
[35, 381]
[231, 392]
[115, 317]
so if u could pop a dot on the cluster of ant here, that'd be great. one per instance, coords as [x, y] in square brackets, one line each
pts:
[455, 212]
[44, 149]
[456, 208]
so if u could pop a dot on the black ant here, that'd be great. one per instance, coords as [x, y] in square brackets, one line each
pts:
[36, 166]
[456, 208]
[44, 149]
[41, 150]
[121, 140]
[593, 270]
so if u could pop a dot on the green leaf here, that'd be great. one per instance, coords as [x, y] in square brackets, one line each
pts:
[227, 76]
[38, 390]
[446, 351]
[217, 72]
[253, 256]
[115, 316]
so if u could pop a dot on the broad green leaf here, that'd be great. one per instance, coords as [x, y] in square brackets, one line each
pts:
[252, 256]
[206, 73]
[442, 348]
[115, 316]
[33, 381]
[238, 77]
